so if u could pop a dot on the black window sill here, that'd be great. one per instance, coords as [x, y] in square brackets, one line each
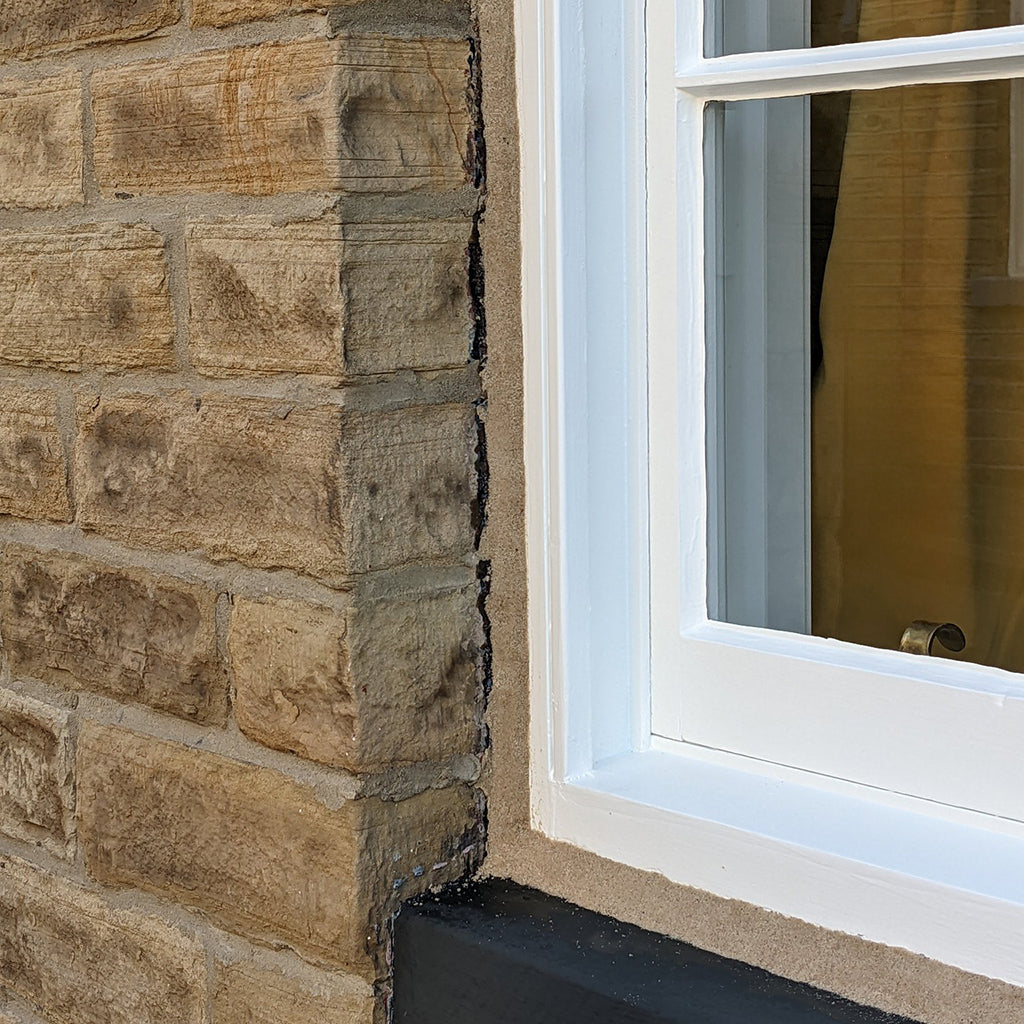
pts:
[497, 953]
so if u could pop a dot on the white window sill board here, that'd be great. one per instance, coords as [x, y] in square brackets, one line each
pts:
[946, 889]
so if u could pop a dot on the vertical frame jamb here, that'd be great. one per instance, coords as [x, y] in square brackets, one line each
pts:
[533, 30]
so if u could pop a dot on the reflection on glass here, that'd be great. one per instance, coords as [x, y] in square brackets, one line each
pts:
[742, 26]
[881, 478]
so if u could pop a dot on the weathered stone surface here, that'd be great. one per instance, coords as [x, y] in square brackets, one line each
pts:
[406, 291]
[256, 849]
[330, 299]
[413, 662]
[385, 682]
[32, 464]
[125, 633]
[41, 142]
[293, 688]
[416, 844]
[255, 993]
[83, 962]
[252, 480]
[266, 298]
[37, 802]
[226, 12]
[16, 1011]
[28, 27]
[355, 114]
[240, 841]
[404, 114]
[85, 296]
[259, 120]
[411, 485]
[321, 490]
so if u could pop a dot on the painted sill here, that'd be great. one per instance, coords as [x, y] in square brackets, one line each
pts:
[950, 890]
[494, 951]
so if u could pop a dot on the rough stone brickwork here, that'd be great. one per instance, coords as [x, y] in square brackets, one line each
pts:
[241, 665]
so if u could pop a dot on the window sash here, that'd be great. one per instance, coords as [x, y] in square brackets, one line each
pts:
[883, 719]
[829, 852]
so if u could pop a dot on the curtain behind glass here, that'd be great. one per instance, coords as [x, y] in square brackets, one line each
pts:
[917, 462]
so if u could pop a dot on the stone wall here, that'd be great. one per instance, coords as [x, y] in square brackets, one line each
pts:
[239, 500]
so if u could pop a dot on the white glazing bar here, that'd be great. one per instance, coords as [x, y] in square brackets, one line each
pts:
[959, 56]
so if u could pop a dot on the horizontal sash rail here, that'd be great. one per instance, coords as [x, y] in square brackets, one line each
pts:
[880, 64]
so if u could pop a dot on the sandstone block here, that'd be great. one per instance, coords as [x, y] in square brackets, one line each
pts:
[32, 464]
[406, 292]
[36, 774]
[326, 298]
[350, 114]
[325, 491]
[82, 961]
[249, 992]
[226, 12]
[258, 850]
[125, 633]
[405, 122]
[41, 142]
[293, 688]
[388, 681]
[266, 298]
[411, 485]
[78, 297]
[29, 27]
[16, 1011]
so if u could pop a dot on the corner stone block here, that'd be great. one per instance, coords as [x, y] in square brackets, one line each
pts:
[352, 115]
[31, 27]
[407, 300]
[32, 464]
[41, 153]
[227, 12]
[64, 949]
[127, 634]
[37, 800]
[327, 298]
[388, 681]
[80, 297]
[252, 992]
[259, 851]
[411, 485]
[322, 490]
[405, 122]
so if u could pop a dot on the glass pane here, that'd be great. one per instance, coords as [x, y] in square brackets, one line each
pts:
[867, 302]
[742, 26]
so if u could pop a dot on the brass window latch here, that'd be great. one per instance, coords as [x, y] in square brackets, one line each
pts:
[919, 636]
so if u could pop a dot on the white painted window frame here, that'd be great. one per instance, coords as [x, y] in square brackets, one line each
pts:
[697, 776]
